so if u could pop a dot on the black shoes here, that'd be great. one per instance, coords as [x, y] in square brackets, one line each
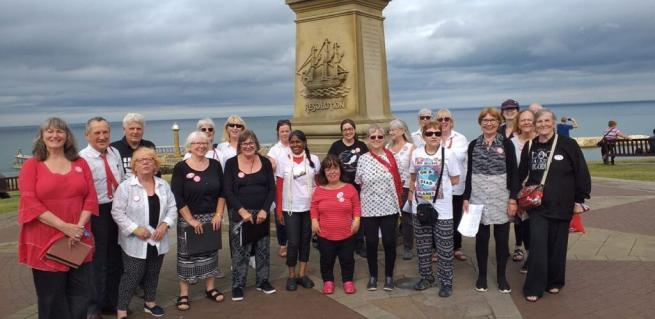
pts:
[292, 284]
[305, 281]
[372, 284]
[266, 288]
[237, 294]
[445, 292]
[388, 284]
[481, 285]
[423, 284]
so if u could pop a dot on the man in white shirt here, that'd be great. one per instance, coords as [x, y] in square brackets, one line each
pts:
[424, 116]
[106, 167]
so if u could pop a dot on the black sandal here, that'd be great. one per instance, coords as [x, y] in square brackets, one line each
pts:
[214, 295]
[181, 302]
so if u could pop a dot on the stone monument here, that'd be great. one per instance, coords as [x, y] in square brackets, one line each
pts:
[341, 67]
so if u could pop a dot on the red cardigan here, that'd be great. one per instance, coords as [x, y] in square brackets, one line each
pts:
[65, 195]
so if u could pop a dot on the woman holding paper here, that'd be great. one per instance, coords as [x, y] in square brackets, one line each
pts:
[434, 169]
[566, 187]
[197, 183]
[48, 212]
[144, 209]
[250, 191]
[491, 181]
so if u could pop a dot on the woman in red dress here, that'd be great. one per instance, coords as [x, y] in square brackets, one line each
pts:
[57, 200]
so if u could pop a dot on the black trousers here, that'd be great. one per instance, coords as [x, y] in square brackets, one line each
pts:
[501, 236]
[330, 250]
[63, 295]
[387, 225]
[281, 233]
[547, 262]
[458, 206]
[107, 261]
[137, 271]
[299, 235]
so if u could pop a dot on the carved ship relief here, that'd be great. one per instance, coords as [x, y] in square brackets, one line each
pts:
[322, 73]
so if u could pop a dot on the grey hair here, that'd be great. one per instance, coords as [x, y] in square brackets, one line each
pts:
[425, 112]
[399, 124]
[133, 118]
[205, 121]
[543, 111]
[375, 128]
[87, 128]
[194, 137]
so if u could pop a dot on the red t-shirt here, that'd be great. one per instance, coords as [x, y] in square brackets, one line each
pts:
[335, 210]
[65, 195]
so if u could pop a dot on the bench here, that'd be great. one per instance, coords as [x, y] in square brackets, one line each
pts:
[631, 147]
[11, 183]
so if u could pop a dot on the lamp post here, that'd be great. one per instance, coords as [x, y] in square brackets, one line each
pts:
[176, 139]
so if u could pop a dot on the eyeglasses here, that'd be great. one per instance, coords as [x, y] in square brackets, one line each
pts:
[145, 160]
[199, 143]
[489, 121]
[376, 137]
[347, 129]
[248, 144]
[443, 119]
[424, 118]
[234, 125]
[207, 129]
[432, 133]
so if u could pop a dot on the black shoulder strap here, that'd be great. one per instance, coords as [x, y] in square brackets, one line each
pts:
[443, 163]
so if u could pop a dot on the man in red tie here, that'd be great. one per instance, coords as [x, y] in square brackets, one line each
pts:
[107, 170]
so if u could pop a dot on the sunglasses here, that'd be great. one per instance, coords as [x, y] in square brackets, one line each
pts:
[432, 133]
[443, 119]
[376, 137]
[424, 117]
[234, 125]
[207, 129]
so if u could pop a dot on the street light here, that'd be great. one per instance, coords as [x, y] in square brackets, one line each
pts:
[176, 139]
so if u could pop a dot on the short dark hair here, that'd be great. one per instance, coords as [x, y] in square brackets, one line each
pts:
[281, 123]
[40, 151]
[246, 134]
[330, 161]
[348, 121]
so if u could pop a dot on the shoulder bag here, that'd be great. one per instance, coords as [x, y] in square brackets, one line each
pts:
[531, 196]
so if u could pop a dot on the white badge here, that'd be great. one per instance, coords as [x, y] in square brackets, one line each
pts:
[558, 157]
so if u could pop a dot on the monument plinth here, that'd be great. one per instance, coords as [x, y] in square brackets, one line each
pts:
[341, 67]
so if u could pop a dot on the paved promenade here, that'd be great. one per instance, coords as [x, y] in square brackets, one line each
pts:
[610, 274]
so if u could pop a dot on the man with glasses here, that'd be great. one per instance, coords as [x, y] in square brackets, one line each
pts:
[424, 116]
[133, 125]
[107, 170]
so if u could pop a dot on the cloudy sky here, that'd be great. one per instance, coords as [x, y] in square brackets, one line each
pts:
[186, 59]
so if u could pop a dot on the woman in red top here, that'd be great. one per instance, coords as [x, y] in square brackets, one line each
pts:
[57, 200]
[335, 212]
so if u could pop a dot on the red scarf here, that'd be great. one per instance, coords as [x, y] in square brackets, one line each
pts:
[392, 166]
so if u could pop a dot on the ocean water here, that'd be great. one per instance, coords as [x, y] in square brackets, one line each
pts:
[632, 117]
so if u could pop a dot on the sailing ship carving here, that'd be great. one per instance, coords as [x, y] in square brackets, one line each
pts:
[322, 73]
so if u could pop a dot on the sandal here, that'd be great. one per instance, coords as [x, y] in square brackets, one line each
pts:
[531, 298]
[518, 255]
[182, 303]
[214, 295]
[459, 255]
[283, 251]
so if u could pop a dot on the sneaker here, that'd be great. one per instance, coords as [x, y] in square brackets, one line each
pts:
[237, 294]
[328, 287]
[481, 285]
[292, 284]
[155, 310]
[503, 287]
[407, 254]
[372, 284]
[524, 268]
[306, 282]
[266, 288]
[349, 287]
[422, 284]
[445, 291]
[388, 284]
[252, 262]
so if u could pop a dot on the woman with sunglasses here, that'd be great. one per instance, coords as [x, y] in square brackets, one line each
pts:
[402, 150]
[457, 144]
[431, 164]
[227, 149]
[377, 174]
[295, 183]
[280, 150]
[208, 127]
[348, 150]
[491, 181]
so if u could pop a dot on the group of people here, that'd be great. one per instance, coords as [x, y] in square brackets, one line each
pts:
[111, 196]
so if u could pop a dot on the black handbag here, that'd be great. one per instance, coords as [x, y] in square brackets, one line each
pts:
[425, 212]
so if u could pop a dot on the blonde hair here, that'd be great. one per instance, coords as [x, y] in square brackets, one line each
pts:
[233, 119]
[145, 152]
[446, 113]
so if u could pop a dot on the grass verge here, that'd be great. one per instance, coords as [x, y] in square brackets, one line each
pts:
[9, 204]
[639, 169]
